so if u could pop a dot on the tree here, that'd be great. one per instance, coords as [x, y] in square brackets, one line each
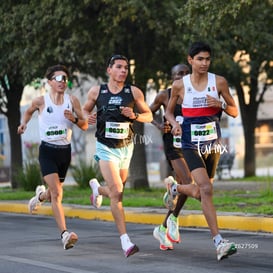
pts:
[23, 38]
[241, 34]
[156, 34]
[81, 35]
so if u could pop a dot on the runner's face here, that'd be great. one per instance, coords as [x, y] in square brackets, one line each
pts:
[200, 62]
[59, 81]
[181, 73]
[119, 71]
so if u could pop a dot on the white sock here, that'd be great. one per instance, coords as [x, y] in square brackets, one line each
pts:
[125, 242]
[64, 232]
[217, 239]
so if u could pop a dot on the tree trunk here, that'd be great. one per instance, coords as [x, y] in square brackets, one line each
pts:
[138, 167]
[249, 118]
[15, 148]
[13, 114]
[249, 160]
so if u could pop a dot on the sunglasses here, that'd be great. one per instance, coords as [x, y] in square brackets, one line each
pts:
[60, 78]
[117, 57]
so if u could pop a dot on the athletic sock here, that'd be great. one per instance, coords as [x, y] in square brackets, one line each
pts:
[63, 233]
[162, 228]
[125, 242]
[217, 239]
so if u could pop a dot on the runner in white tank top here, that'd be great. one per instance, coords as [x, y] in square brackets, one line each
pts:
[57, 113]
[53, 125]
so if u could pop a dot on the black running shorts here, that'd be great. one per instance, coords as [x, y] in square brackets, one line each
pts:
[54, 159]
[171, 152]
[207, 160]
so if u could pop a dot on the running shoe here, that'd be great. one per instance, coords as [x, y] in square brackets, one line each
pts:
[173, 229]
[131, 251]
[170, 204]
[169, 198]
[69, 239]
[225, 249]
[95, 197]
[34, 202]
[160, 235]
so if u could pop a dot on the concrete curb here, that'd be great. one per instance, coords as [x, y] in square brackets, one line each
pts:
[153, 216]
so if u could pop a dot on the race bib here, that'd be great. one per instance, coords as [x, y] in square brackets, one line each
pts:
[118, 130]
[203, 132]
[56, 132]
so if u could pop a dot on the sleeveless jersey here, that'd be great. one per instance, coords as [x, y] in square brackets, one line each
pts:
[177, 110]
[200, 128]
[168, 137]
[114, 129]
[54, 127]
[171, 152]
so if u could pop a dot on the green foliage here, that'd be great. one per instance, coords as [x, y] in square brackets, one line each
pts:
[156, 34]
[242, 201]
[268, 192]
[83, 172]
[29, 176]
[50, 33]
[82, 35]
[267, 179]
[240, 33]
[245, 201]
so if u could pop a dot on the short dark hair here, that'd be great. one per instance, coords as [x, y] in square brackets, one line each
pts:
[114, 57]
[52, 69]
[198, 47]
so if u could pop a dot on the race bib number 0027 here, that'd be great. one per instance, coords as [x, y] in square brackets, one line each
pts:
[203, 132]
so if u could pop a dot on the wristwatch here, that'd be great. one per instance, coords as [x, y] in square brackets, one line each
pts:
[76, 120]
[224, 106]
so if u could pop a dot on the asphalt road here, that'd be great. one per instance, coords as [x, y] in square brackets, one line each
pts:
[31, 244]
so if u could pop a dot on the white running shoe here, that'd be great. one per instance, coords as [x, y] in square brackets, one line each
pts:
[95, 197]
[34, 202]
[173, 229]
[170, 199]
[69, 239]
[160, 235]
[225, 249]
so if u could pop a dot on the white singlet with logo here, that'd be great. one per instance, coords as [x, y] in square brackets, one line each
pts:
[54, 127]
